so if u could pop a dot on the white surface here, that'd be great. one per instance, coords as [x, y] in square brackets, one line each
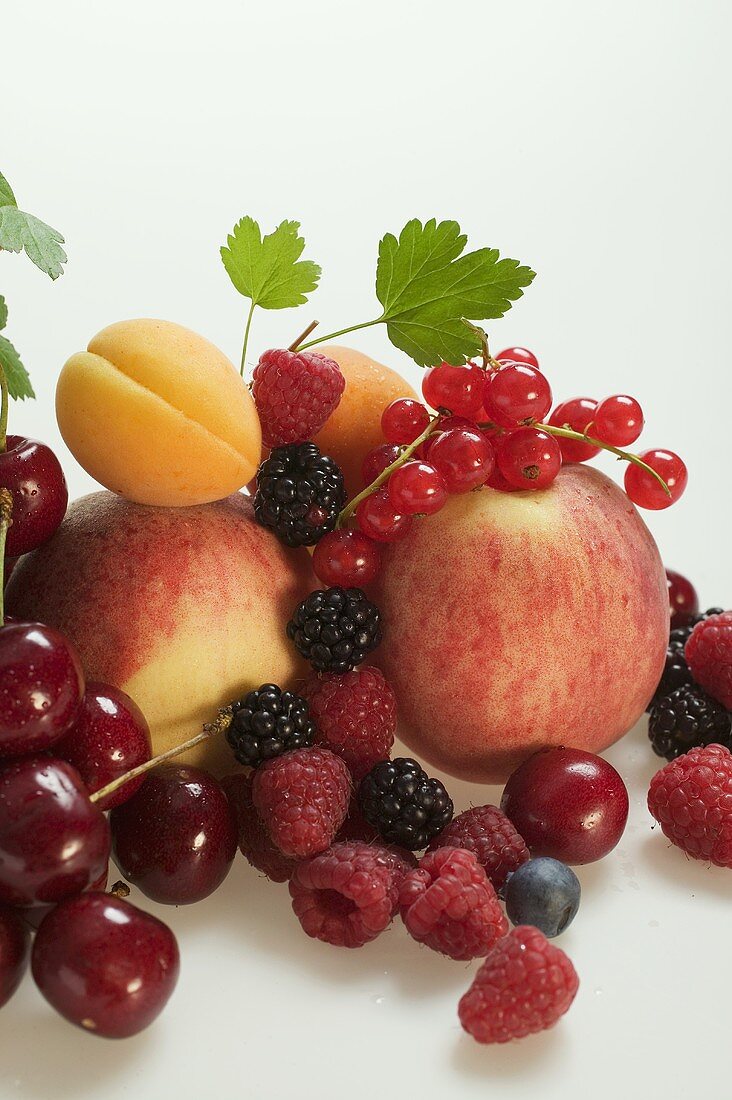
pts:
[590, 140]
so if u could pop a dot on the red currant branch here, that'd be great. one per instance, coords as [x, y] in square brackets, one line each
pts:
[222, 723]
[627, 456]
[384, 476]
[6, 519]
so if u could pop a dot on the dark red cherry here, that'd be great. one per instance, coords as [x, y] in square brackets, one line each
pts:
[41, 685]
[14, 952]
[105, 965]
[176, 838]
[34, 476]
[109, 738]
[54, 842]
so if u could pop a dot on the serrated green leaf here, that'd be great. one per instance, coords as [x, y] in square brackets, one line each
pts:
[42, 244]
[269, 270]
[19, 384]
[426, 287]
[7, 198]
[3, 313]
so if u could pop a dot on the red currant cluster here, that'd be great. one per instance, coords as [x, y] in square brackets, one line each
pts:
[489, 428]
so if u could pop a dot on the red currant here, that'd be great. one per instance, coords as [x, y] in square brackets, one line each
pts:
[645, 491]
[417, 488]
[618, 420]
[682, 598]
[497, 481]
[378, 518]
[346, 559]
[377, 460]
[517, 394]
[457, 389]
[577, 414]
[529, 458]
[517, 355]
[464, 457]
[403, 420]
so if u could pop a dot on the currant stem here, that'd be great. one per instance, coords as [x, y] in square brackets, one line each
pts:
[303, 336]
[341, 332]
[406, 454]
[3, 411]
[222, 723]
[6, 519]
[582, 437]
[246, 340]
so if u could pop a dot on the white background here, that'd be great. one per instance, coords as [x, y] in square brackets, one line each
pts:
[590, 140]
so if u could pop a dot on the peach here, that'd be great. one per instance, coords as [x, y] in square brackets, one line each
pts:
[355, 426]
[184, 609]
[517, 621]
[155, 412]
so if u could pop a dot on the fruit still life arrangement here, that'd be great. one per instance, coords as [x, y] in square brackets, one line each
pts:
[377, 563]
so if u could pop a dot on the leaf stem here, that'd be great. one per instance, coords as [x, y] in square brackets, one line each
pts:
[246, 340]
[222, 723]
[341, 332]
[303, 335]
[3, 411]
[406, 454]
[6, 519]
[627, 456]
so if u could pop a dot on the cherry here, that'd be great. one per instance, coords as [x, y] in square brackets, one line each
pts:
[54, 842]
[379, 519]
[457, 389]
[464, 457]
[517, 394]
[417, 488]
[346, 559]
[618, 420]
[645, 491]
[41, 685]
[529, 458]
[14, 952]
[568, 804]
[517, 355]
[403, 420]
[577, 414]
[33, 474]
[378, 460]
[109, 737]
[105, 965]
[682, 598]
[176, 838]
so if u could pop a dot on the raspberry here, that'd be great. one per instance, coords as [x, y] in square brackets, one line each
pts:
[449, 904]
[349, 894]
[295, 393]
[255, 843]
[268, 722]
[691, 798]
[686, 719]
[299, 495]
[524, 986]
[490, 836]
[302, 798]
[709, 656]
[355, 716]
[356, 827]
[401, 801]
[335, 628]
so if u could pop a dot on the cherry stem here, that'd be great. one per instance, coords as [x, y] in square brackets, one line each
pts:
[406, 454]
[3, 411]
[303, 336]
[222, 723]
[119, 890]
[569, 433]
[6, 519]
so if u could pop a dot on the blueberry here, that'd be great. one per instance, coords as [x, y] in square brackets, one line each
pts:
[545, 893]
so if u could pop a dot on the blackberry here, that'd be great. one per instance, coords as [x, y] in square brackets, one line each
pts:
[675, 671]
[335, 628]
[268, 722]
[686, 719]
[299, 494]
[403, 804]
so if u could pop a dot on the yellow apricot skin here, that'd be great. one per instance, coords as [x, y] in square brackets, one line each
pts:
[158, 414]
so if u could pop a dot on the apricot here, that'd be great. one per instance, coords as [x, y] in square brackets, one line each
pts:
[355, 426]
[156, 413]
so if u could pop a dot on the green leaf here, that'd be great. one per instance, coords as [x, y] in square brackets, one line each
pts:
[19, 384]
[7, 198]
[3, 313]
[269, 270]
[41, 243]
[427, 286]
